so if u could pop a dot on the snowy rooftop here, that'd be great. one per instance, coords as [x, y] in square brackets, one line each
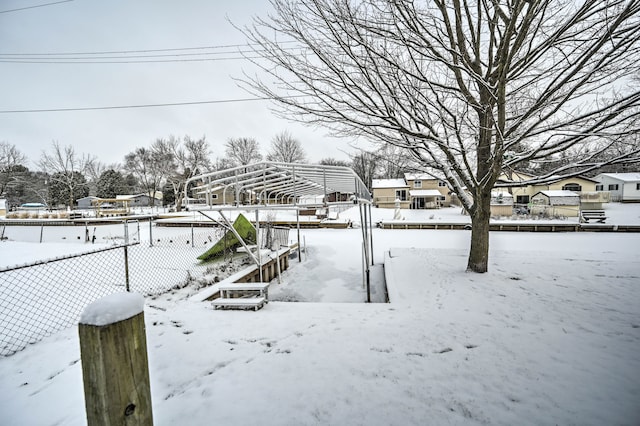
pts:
[388, 183]
[425, 193]
[625, 177]
[559, 193]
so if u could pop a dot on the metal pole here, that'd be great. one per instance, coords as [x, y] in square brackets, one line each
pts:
[278, 265]
[258, 243]
[126, 267]
[298, 224]
[371, 234]
[192, 245]
[126, 255]
[364, 266]
[150, 233]
[365, 253]
[41, 230]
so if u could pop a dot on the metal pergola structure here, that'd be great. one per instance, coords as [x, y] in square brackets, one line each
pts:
[278, 183]
[277, 186]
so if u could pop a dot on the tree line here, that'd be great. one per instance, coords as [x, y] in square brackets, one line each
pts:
[63, 175]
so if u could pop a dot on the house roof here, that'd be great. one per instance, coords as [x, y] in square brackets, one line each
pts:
[424, 193]
[561, 178]
[418, 176]
[559, 193]
[624, 177]
[388, 183]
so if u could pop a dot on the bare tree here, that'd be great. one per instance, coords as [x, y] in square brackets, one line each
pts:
[150, 166]
[330, 161]
[191, 157]
[393, 161]
[65, 170]
[460, 84]
[10, 161]
[286, 149]
[243, 151]
[365, 164]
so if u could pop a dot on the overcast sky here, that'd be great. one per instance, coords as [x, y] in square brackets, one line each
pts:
[81, 27]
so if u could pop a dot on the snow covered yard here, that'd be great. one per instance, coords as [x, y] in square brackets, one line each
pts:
[550, 336]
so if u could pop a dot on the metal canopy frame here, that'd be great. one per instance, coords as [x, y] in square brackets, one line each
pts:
[284, 183]
[274, 185]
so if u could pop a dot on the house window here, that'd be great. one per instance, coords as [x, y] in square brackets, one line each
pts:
[417, 184]
[214, 196]
[401, 194]
[637, 186]
[442, 183]
[599, 187]
[613, 187]
[572, 187]
[522, 199]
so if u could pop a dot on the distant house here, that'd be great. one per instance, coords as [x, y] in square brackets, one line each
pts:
[412, 191]
[387, 191]
[142, 200]
[3, 207]
[583, 186]
[556, 203]
[624, 187]
[86, 202]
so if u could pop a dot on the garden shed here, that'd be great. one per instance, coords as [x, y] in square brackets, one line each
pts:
[501, 204]
[556, 203]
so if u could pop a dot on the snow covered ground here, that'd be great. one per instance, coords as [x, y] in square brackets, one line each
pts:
[551, 335]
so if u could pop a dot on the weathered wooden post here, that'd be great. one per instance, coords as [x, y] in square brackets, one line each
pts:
[115, 371]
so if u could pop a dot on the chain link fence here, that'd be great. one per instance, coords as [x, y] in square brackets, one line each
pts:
[41, 298]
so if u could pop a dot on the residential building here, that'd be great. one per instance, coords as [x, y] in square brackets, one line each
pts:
[583, 186]
[624, 187]
[414, 191]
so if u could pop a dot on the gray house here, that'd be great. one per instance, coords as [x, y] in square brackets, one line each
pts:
[86, 202]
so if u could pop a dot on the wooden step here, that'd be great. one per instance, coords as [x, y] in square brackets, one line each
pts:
[239, 302]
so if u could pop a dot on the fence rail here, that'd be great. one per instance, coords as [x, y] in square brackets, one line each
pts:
[40, 298]
[43, 297]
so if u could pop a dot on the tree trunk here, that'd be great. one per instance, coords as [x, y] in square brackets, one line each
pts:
[479, 254]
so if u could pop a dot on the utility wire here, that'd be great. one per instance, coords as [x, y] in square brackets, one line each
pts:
[166, 55]
[124, 52]
[12, 61]
[123, 59]
[220, 101]
[33, 7]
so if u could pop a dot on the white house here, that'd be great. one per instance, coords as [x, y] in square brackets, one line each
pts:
[622, 186]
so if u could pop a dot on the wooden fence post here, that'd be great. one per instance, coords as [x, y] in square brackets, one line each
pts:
[115, 371]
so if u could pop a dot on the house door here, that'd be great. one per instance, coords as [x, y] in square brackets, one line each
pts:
[418, 203]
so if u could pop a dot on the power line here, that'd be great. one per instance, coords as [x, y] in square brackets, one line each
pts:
[125, 52]
[124, 59]
[35, 6]
[220, 101]
[26, 61]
